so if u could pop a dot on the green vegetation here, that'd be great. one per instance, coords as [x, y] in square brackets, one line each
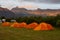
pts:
[8, 33]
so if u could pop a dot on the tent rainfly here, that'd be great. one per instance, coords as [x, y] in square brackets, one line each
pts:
[44, 26]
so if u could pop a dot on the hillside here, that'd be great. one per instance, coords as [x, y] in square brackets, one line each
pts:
[4, 12]
[21, 12]
[38, 12]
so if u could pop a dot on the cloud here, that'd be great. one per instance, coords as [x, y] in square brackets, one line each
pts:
[28, 6]
[44, 4]
[45, 1]
[9, 3]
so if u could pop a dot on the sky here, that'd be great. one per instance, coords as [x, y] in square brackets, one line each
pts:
[31, 4]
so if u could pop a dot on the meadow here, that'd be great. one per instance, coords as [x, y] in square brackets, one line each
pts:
[9, 33]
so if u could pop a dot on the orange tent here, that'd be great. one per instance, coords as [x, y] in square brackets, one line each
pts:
[15, 24]
[50, 27]
[44, 26]
[32, 25]
[23, 24]
[6, 24]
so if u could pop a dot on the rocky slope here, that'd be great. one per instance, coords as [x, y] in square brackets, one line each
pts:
[38, 12]
[4, 12]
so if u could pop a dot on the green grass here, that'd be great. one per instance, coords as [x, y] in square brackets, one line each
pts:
[8, 33]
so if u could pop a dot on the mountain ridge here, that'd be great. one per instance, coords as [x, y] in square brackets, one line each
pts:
[40, 12]
[21, 12]
[4, 12]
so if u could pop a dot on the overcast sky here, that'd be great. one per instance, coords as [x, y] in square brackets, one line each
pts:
[31, 4]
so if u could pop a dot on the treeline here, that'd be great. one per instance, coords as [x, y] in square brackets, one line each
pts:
[53, 20]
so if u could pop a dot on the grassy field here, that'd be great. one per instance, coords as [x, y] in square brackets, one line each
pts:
[8, 33]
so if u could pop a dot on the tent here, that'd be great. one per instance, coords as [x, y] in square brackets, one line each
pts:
[15, 24]
[23, 24]
[32, 25]
[6, 24]
[44, 26]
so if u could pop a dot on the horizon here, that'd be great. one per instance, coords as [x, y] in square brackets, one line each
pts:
[30, 9]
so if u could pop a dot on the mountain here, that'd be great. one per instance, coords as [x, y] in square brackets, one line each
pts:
[4, 12]
[38, 12]
[21, 12]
